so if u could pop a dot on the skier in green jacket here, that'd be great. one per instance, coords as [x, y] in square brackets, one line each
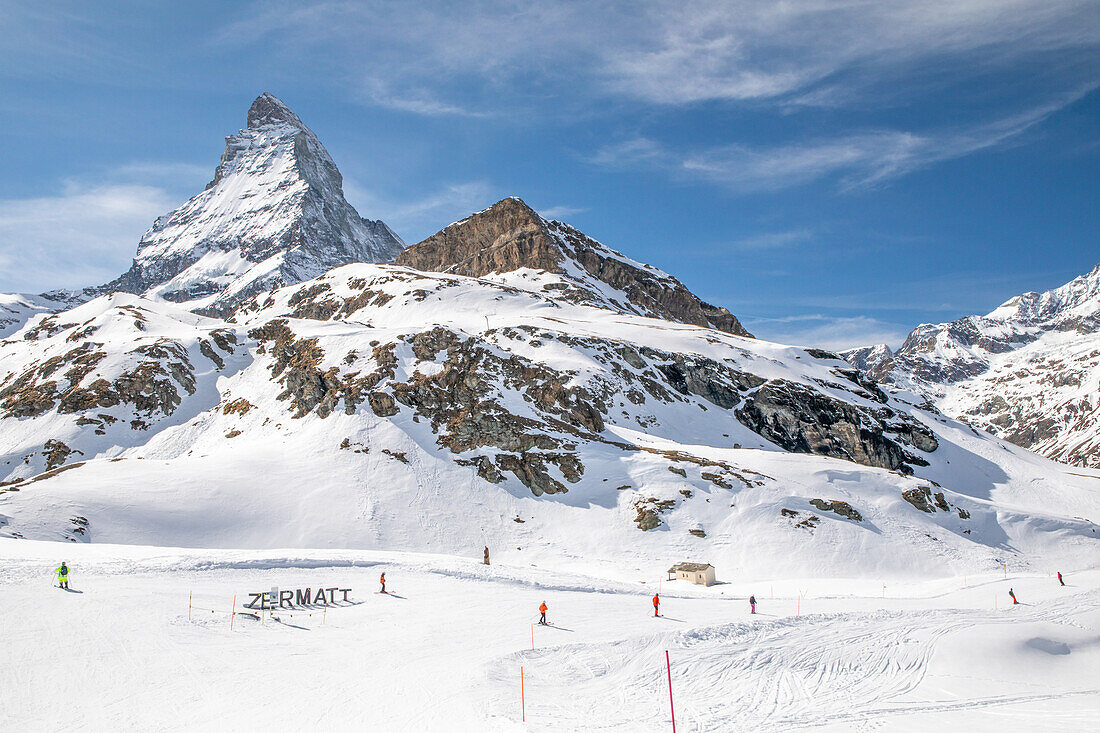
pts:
[63, 576]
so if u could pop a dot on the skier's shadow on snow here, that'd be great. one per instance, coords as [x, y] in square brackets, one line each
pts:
[552, 626]
[391, 594]
[669, 618]
[72, 590]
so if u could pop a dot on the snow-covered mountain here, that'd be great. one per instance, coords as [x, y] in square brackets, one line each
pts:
[273, 215]
[18, 308]
[375, 406]
[1028, 372]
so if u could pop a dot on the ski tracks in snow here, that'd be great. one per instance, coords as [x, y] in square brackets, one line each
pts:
[790, 673]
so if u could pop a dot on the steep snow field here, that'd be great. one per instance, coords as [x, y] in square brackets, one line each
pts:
[443, 653]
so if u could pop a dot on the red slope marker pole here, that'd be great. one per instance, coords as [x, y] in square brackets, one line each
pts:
[233, 614]
[522, 698]
[671, 707]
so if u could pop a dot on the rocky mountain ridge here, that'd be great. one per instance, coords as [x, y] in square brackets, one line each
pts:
[510, 242]
[1029, 371]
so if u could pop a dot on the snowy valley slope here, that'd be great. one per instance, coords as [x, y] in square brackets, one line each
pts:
[1029, 372]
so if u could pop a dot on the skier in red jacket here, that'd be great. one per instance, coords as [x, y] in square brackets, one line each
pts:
[656, 604]
[382, 580]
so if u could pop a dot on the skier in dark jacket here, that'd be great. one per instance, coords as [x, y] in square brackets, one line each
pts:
[1012, 595]
[752, 604]
[1060, 579]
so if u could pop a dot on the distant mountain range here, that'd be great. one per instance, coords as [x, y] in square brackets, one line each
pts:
[1028, 372]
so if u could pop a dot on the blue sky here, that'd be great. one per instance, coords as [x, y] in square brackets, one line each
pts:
[832, 172]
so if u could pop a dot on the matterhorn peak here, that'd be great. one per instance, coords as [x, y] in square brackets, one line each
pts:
[273, 215]
[267, 109]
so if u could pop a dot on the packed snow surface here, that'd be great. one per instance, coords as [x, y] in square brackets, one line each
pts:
[145, 640]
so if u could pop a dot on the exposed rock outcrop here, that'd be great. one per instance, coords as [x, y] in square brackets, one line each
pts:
[510, 236]
[803, 420]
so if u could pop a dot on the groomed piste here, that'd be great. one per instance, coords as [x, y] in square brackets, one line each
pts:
[443, 649]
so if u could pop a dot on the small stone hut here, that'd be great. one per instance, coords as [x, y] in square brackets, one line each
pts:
[694, 572]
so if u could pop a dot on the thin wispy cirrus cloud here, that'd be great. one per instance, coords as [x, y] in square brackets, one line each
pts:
[419, 216]
[853, 160]
[663, 51]
[84, 235]
[828, 332]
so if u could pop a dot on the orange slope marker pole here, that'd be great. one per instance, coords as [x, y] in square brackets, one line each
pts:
[522, 697]
[233, 613]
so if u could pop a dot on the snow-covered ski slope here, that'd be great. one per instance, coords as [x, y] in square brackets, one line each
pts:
[444, 651]
[331, 414]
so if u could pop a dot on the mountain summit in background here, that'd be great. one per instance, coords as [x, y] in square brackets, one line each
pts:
[1028, 372]
[509, 242]
[274, 215]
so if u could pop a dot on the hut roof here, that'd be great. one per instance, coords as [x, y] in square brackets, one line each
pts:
[689, 567]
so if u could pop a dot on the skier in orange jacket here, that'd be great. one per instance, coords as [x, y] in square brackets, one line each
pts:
[382, 580]
[543, 608]
[656, 604]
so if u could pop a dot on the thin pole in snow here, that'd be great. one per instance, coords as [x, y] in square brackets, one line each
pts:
[671, 707]
[324, 615]
[522, 700]
[233, 613]
[188, 605]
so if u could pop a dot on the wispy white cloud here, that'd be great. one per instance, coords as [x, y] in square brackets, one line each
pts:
[84, 235]
[668, 51]
[561, 212]
[772, 240]
[417, 217]
[854, 160]
[836, 333]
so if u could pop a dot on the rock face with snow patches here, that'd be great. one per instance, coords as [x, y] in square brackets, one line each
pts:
[554, 258]
[274, 215]
[1028, 372]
